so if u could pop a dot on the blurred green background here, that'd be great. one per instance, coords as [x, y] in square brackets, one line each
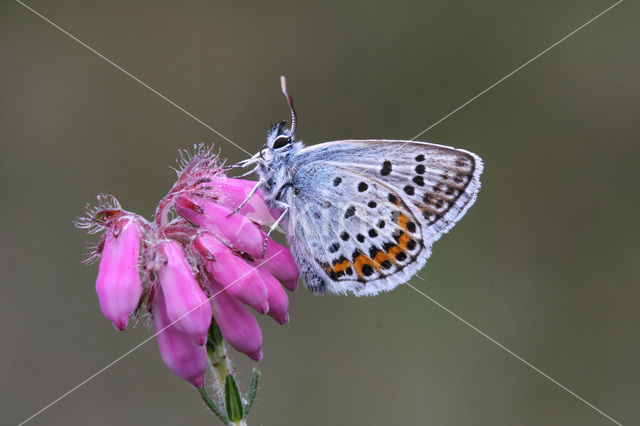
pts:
[545, 262]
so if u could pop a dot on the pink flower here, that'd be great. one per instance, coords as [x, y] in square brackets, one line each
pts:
[187, 306]
[236, 323]
[236, 231]
[178, 351]
[198, 263]
[276, 296]
[234, 193]
[118, 285]
[280, 264]
[238, 278]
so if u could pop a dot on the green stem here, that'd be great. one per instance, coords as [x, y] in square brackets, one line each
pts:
[220, 362]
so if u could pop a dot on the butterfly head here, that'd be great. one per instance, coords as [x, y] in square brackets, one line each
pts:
[280, 138]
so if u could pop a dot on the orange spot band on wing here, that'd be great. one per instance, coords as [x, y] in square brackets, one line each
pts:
[381, 256]
[361, 261]
[400, 247]
[403, 220]
[339, 267]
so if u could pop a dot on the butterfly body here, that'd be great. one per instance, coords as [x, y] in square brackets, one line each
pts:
[361, 216]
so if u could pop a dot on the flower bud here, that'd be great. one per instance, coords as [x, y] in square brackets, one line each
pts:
[187, 305]
[239, 279]
[118, 285]
[278, 262]
[235, 231]
[178, 351]
[277, 297]
[237, 325]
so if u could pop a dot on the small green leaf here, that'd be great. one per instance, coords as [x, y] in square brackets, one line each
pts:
[253, 390]
[214, 339]
[232, 399]
[212, 406]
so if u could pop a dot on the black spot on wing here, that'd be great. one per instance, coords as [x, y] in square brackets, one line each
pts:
[349, 212]
[386, 168]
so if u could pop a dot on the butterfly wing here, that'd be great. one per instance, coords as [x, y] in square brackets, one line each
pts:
[365, 213]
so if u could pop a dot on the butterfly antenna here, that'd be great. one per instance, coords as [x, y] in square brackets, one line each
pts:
[294, 117]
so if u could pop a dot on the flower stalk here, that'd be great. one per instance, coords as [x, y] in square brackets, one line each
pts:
[236, 406]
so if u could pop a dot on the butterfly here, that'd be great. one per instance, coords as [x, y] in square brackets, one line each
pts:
[361, 215]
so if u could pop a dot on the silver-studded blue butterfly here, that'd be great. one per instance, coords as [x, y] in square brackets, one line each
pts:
[361, 215]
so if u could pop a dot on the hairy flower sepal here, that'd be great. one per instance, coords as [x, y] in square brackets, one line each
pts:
[118, 285]
[186, 303]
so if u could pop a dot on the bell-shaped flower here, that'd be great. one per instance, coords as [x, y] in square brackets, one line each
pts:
[178, 351]
[118, 285]
[237, 325]
[234, 191]
[236, 231]
[187, 305]
[277, 297]
[279, 262]
[238, 278]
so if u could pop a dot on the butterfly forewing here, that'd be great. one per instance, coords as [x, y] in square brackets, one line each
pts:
[365, 213]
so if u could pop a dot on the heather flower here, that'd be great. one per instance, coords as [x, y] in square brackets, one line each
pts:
[118, 285]
[186, 304]
[192, 269]
[178, 351]
[237, 325]
[236, 231]
[241, 280]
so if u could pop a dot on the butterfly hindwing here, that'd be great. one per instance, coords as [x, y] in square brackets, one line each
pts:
[353, 231]
[364, 214]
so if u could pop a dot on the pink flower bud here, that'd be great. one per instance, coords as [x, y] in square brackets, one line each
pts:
[278, 300]
[187, 305]
[178, 351]
[237, 325]
[118, 285]
[235, 231]
[234, 192]
[278, 262]
[239, 278]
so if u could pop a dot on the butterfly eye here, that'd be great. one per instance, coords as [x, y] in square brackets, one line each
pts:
[281, 141]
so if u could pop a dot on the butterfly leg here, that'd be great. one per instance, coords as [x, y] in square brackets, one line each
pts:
[285, 209]
[251, 194]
